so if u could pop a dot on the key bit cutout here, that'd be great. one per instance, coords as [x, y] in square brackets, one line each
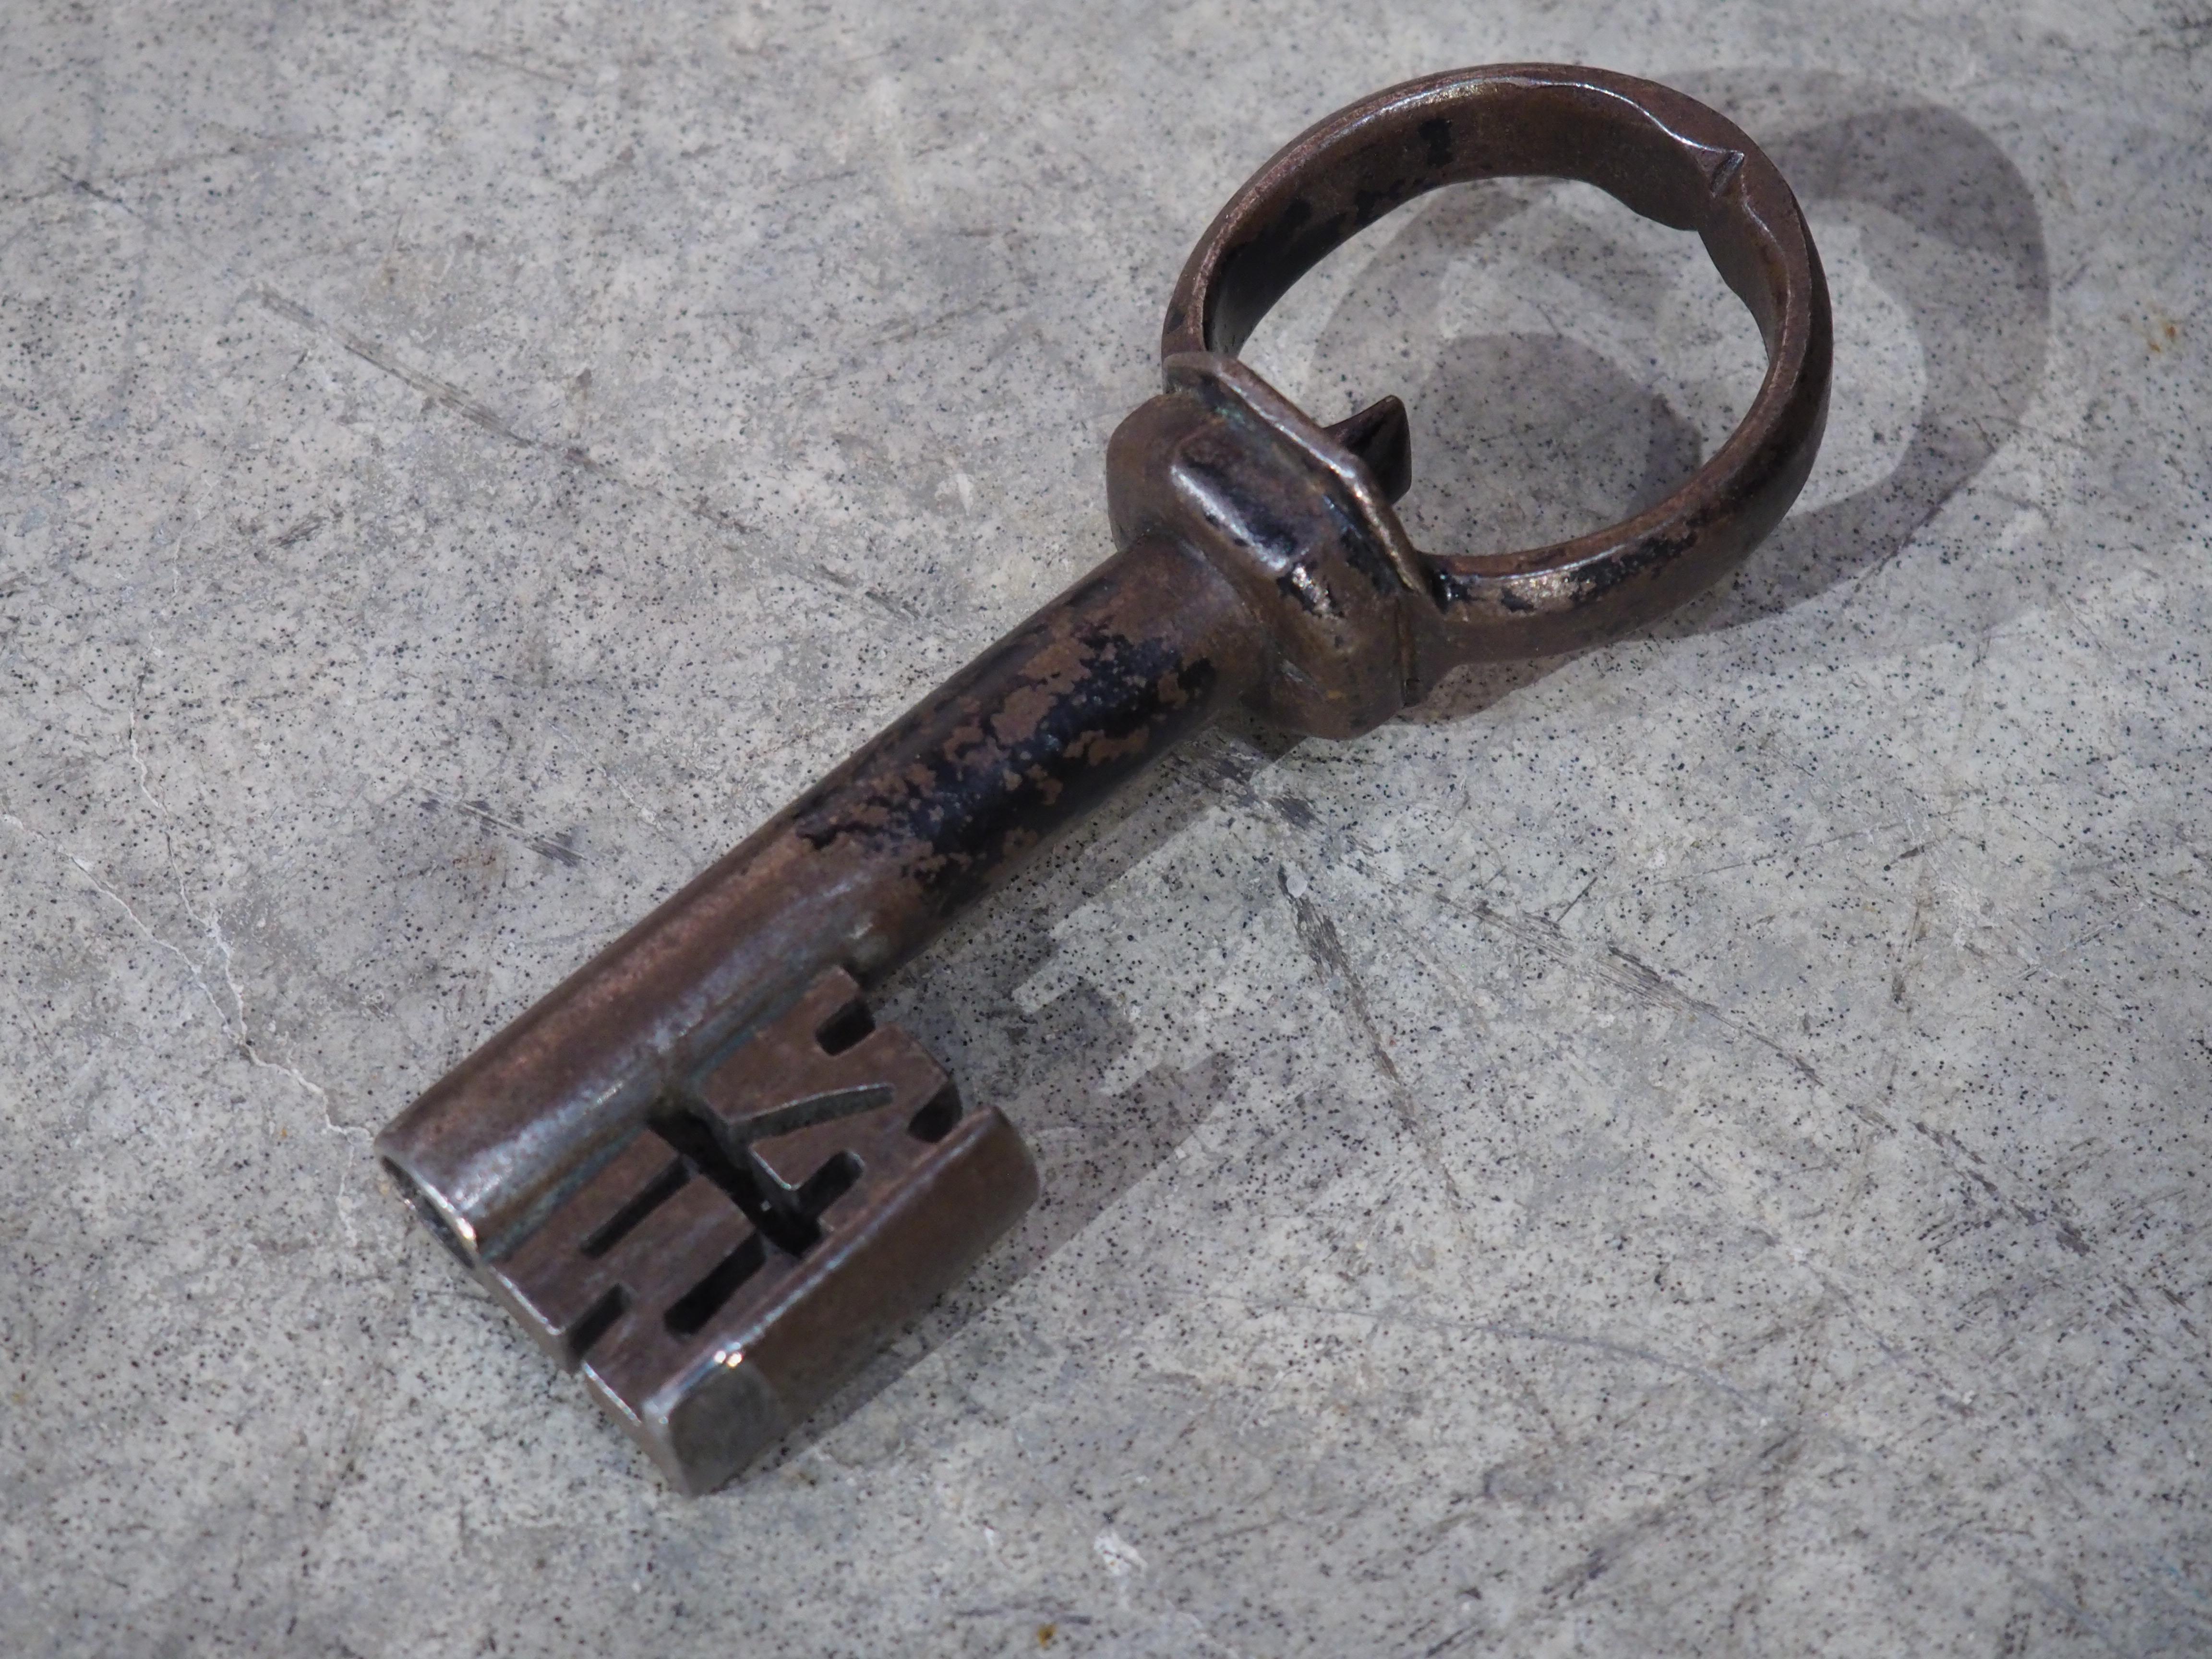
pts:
[757, 1236]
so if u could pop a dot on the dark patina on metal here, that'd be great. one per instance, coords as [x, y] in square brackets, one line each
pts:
[697, 1170]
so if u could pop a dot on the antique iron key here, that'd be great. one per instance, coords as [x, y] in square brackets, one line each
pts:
[696, 1170]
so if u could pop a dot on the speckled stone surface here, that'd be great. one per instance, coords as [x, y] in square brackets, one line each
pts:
[1698, 1148]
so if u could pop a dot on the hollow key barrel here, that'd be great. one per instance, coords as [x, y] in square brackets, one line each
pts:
[697, 1170]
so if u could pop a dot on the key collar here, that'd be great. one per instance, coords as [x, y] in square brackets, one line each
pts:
[1662, 155]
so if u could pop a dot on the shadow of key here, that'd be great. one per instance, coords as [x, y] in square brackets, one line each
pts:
[1948, 227]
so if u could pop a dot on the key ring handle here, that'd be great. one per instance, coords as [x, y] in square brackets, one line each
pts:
[1660, 153]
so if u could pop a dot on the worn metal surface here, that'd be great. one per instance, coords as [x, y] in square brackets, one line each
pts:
[1260, 562]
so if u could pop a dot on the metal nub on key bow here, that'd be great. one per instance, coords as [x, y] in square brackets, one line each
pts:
[697, 1170]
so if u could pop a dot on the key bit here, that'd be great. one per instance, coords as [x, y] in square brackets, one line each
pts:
[698, 1171]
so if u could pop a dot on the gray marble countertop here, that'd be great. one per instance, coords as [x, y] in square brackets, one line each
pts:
[1700, 1147]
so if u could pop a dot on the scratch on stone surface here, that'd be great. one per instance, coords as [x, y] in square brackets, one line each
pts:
[240, 1038]
[1325, 947]
[1569, 908]
[45, 1041]
[1916, 930]
[1608, 1545]
[213, 927]
[554, 848]
[2069, 946]
[1463, 994]
[2071, 1610]
[1791, 1424]
[441, 392]
[566, 77]
[1611, 1543]
[458, 400]
[887, 602]
[1798, 849]
[1624, 972]
[899, 333]
[245, 144]
[1473, 1627]
[1700, 1374]
[86, 187]
[2069, 1235]
[1416, 1321]
[374, 1404]
[1648, 985]
[1645, 981]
